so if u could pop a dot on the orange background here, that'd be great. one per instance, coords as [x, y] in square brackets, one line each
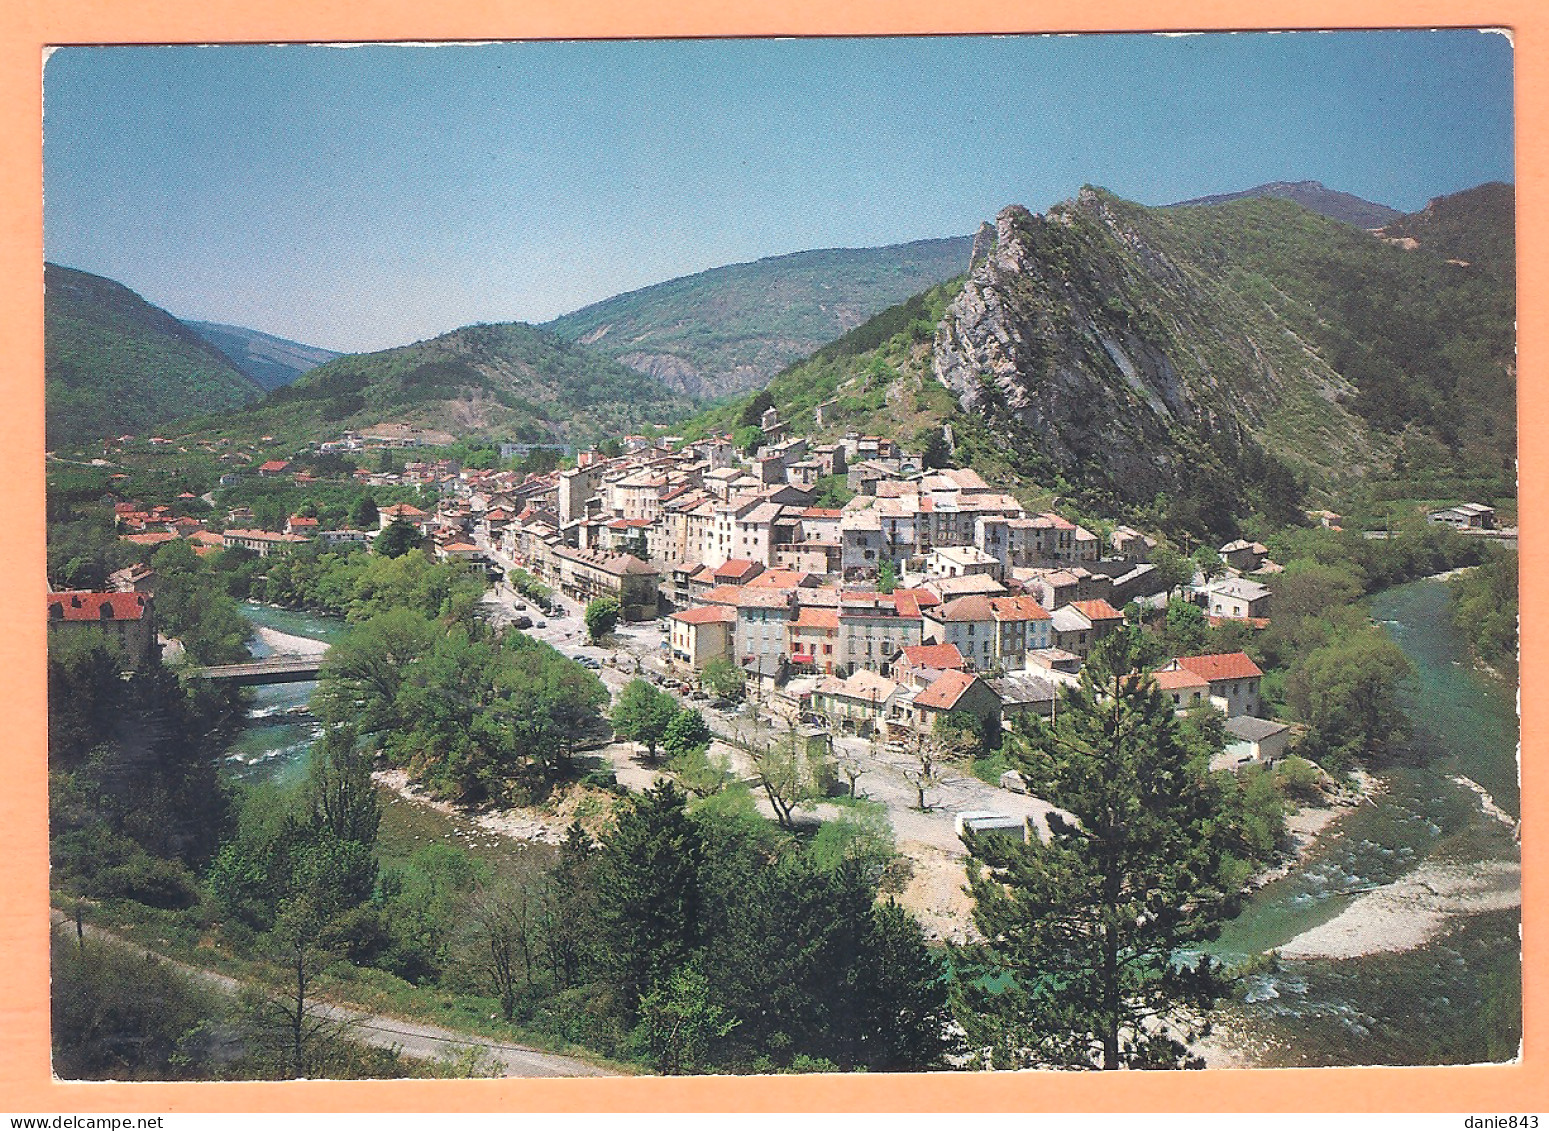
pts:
[27, 26]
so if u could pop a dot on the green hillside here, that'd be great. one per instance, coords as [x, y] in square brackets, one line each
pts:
[1313, 196]
[114, 363]
[732, 328]
[1189, 366]
[511, 381]
[268, 360]
[1475, 227]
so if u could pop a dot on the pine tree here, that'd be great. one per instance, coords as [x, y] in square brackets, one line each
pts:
[1093, 926]
[648, 885]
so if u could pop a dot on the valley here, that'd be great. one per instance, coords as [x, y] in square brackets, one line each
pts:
[794, 613]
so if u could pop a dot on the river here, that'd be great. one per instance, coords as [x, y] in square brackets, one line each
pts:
[1456, 998]
[275, 746]
[1453, 1000]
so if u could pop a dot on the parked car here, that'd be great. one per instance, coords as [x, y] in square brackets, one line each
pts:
[541, 623]
[523, 622]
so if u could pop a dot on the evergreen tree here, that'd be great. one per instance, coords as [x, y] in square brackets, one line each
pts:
[648, 890]
[364, 514]
[1090, 926]
[900, 991]
[397, 540]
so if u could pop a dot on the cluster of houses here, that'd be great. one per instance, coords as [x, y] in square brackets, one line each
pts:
[997, 606]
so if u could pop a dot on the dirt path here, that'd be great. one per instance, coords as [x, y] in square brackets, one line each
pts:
[424, 1042]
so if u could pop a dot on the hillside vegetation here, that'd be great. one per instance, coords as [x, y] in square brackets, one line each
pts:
[1189, 366]
[114, 363]
[1474, 227]
[1313, 196]
[509, 380]
[732, 328]
[268, 360]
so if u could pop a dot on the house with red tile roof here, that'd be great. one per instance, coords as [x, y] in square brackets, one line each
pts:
[736, 571]
[1233, 678]
[301, 524]
[859, 703]
[262, 542]
[954, 692]
[272, 468]
[127, 618]
[154, 538]
[813, 639]
[701, 634]
[401, 512]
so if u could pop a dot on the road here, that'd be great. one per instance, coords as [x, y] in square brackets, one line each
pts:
[423, 1042]
[885, 778]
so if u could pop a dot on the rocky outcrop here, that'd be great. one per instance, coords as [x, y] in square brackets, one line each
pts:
[1093, 342]
[1035, 337]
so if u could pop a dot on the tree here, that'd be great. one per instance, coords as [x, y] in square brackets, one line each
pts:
[364, 672]
[122, 1015]
[567, 907]
[364, 514]
[1085, 929]
[901, 996]
[602, 616]
[680, 1021]
[790, 774]
[501, 924]
[290, 1023]
[1173, 570]
[398, 539]
[938, 453]
[1208, 562]
[643, 714]
[1185, 628]
[648, 891]
[340, 792]
[1346, 692]
[748, 439]
[923, 775]
[724, 679]
[686, 734]
[752, 414]
[887, 576]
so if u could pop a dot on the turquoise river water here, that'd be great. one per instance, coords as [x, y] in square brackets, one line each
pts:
[1453, 1000]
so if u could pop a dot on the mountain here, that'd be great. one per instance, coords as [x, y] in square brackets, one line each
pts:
[1188, 366]
[115, 363]
[268, 360]
[732, 328]
[1314, 197]
[508, 380]
[1469, 228]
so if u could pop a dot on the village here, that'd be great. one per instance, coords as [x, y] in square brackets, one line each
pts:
[889, 637]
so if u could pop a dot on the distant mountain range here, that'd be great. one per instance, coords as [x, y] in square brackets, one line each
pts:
[268, 360]
[115, 363]
[1313, 196]
[732, 328]
[1192, 357]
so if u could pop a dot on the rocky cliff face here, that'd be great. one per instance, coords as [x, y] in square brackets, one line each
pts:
[1101, 350]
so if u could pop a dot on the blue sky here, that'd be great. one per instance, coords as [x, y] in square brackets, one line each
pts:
[366, 197]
